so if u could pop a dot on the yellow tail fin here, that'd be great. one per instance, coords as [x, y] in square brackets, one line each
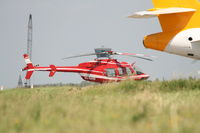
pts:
[181, 21]
[176, 3]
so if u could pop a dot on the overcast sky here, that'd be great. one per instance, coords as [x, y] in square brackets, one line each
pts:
[69, 27]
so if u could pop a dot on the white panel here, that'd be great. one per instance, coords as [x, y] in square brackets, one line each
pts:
[148, 14]
[182, 45]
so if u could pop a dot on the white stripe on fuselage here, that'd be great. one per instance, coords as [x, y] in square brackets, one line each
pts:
[92, 76]
[60, 69]
[97, 76]
[78, 69]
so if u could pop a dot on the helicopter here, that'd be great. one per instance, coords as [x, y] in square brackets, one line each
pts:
[101, 70]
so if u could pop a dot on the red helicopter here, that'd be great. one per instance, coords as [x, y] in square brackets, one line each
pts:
[102, 69]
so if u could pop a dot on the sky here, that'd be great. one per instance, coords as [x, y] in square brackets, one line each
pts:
[68, 27]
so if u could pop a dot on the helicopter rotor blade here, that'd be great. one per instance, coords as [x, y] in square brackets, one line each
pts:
[81, 55]
[141, 56]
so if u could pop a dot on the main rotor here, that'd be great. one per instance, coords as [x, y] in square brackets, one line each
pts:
[108, 53]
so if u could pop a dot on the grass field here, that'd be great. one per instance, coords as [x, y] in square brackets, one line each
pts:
[126, 107]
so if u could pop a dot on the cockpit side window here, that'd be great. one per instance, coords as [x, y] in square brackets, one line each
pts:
[121, 72]
[137, 70]
[128, 71]
[110, 72]
[139, 73]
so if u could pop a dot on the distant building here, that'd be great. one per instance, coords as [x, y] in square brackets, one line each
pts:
[20, 82]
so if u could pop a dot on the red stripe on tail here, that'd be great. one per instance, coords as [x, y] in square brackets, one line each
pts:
[29, 66]
[28, 74]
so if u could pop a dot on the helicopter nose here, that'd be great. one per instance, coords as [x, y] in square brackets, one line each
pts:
[145, 76]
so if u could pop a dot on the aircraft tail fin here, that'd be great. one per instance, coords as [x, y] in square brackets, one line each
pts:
[29, 67]
[177, 22]
[174, 16]
[29, 74]
[175, 3]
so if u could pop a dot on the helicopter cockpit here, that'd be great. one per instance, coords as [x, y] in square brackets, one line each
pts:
[122, 71]
[137, 70]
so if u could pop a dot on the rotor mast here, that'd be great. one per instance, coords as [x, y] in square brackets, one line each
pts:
[100, 52]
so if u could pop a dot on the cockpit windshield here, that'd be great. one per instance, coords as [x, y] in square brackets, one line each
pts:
[125, 71]
[137, 70]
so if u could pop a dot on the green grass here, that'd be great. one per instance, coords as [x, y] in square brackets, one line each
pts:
[126, 107]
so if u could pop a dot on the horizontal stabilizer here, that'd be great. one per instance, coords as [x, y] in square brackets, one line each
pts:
[53, 70]
[157, 11]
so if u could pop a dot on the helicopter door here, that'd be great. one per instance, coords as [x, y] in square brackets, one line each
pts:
[128, 71]
[121, 71]
[110, 72]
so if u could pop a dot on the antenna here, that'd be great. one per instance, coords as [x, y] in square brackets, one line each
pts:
[29, 44]
[29, 39]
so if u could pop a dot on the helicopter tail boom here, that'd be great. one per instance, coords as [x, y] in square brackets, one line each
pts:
[30, 68]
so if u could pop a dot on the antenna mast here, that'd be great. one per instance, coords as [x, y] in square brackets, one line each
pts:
[29, 39]
[29, 44]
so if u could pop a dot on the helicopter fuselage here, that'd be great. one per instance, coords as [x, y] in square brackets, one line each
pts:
[99, 70]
